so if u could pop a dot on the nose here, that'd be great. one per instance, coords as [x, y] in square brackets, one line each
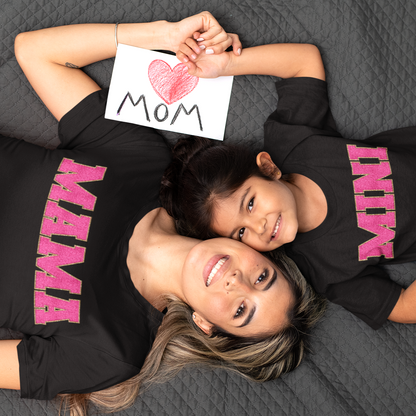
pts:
[234, 281]
[260, 225]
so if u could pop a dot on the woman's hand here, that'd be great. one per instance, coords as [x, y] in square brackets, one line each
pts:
[201, 33]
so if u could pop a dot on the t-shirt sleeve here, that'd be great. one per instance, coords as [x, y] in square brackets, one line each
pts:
[302, 111]
[368, 293]
[50, 366]
[371, 296]
[84, 126]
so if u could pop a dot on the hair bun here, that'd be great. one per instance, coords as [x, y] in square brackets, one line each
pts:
[182, 153]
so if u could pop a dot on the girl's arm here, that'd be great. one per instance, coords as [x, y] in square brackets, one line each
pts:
[284, 60]
[51, 58]
[405, 309]
[9, 365]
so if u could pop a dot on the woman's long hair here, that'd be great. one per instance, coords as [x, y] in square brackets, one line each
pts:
[179, 342]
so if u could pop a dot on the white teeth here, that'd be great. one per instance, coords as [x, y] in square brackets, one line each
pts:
[277, 226]
[215, 269]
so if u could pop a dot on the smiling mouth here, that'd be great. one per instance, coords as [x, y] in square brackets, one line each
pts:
[215, 269]
[276, 227]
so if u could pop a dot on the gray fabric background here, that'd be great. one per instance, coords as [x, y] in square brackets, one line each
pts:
[369, 50]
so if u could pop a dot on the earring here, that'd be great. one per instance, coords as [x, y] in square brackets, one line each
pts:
[193, 316]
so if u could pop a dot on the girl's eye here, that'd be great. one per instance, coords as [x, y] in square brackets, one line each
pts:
[241, 233]
[263, 277]
[240, 311]
[250, 204]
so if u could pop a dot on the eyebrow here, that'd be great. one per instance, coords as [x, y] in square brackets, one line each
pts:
[249, 318]
[253, 310]
[241, 208]
[271, 281]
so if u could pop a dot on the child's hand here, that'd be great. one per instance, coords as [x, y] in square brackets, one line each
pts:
[205, 34]
[214, 44]
[192, 49]
[205, 66]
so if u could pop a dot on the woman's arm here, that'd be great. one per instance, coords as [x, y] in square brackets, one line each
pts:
[51, 58]
[284, 60]
[405, 309]
[9, 365]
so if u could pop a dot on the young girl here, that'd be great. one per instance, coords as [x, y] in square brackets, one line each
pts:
[342, 208]
[90, 260]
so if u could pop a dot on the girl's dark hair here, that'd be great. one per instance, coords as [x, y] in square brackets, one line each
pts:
[201, 172]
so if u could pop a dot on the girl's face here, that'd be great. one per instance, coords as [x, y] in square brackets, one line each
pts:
[232, 286]
[261, 213]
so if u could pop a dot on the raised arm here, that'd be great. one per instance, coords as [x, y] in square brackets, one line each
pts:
[284, 60]
[51, 58]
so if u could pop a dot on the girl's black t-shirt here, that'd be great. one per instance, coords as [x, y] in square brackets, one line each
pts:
[370, 191]
[65, 221]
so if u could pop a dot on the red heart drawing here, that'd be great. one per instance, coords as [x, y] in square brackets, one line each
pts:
[171, 84]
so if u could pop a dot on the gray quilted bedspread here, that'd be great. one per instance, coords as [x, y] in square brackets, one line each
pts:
[369, 50]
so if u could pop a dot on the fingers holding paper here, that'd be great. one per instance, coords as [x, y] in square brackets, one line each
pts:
[203, 34]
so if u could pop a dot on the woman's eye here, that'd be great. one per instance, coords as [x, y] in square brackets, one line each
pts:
[241, 233]
[263, 277]
[250, 204]
[240, 311]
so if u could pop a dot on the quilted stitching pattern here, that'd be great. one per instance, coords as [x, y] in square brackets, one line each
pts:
[369, 52]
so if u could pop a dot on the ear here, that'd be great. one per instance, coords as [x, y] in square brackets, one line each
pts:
[202, 323]
[267, 167]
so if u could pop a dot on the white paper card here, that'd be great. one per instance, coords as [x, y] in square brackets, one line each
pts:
[154, 89]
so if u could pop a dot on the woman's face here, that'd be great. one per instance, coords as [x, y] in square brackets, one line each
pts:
[232, 286]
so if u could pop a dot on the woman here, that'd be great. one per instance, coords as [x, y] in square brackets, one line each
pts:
[93, 264]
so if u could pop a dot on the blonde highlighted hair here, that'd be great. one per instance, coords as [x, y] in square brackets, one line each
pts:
[179, 342]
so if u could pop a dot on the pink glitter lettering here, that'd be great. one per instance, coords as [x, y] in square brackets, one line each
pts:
[362, 202]
[59, 221]
[356, 153]
[379, 225]
[52, 309]
[69, 190]
[56, 256]
[63, 222]
[372, 179]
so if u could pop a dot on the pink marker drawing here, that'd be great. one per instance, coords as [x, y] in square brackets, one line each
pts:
[171, 84]
[153, 89]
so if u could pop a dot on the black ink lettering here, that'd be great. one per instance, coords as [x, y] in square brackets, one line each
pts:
[186, 112]
[166, 113]
[142, 97]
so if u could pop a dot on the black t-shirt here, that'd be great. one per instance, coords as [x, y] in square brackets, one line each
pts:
[65, 221]
[370, 193]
